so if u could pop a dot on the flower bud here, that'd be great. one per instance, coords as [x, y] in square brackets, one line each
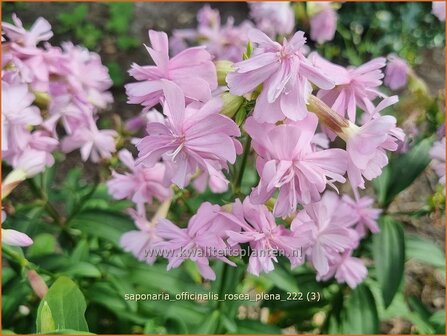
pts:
[231, 104]
[15, 238]
[12, 181]
[42, 99]
[37, 283]
[330, 118]
[30, 163]
[223, 68]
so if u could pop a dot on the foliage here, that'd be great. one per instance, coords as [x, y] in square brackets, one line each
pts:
[93, 283]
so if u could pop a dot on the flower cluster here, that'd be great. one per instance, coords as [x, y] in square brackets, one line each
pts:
[299, 105]
[43, 86]
[227, 41]
[223, 41]
[323, 20]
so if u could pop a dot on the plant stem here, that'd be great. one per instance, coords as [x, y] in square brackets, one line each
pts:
[48, 206]
[81, 204]
[14, 256]
[238, 178]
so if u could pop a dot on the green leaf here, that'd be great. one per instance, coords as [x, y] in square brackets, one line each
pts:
[283, 279]
[13, 296]
[333, 323]
[7, 275]
[402, 171]
[438, 320]
[65, 305]
[44, 244]
[83, 269]
[360, 313]
[420, 316]
[74, 17]
[424, 250]
[120, 16]
[105, 224]
[152, 327]
[158, 279]
[116, 73]
[104, 294]
[89, 35]
[398, 308]
[256, 327]
[126, 42]
[80, 252]
[46, 320]
[389, 257]
[209, 324]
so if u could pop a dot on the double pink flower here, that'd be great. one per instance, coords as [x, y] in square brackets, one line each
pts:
[203, 239]
[192, 70]
[266, 239]
[141, 184]
[355, 87]
[289, 162]
[192, 137]
[367, 145]
[285, 74]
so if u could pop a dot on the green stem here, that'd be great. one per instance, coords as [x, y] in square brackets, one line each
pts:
[14, 256]
[17, 258]
[238, 178]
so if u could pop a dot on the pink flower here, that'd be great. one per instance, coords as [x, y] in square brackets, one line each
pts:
[285, 74]
[438, 9]
[275, 17]
[191, 137]
[94, 143]
[267, 239]
[136, 123]
[329, 221]
[39, 31]
[18, 113]
[323, 24]
[202, 240]
[33, 162]
[355, 87]
[88, 77]
[31, 152]
[14, 70]
[437, 154]
[207, 16]
[367, 145]
[192, 70]
[346, 269]
[223, 41]
[141, 242]
[13, 237]
[72, 112]
[215, 183]
[142, 184]
[365, 215]
[288, 162]
[396, 74]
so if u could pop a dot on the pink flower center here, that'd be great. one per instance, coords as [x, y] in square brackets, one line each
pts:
[179, 141]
